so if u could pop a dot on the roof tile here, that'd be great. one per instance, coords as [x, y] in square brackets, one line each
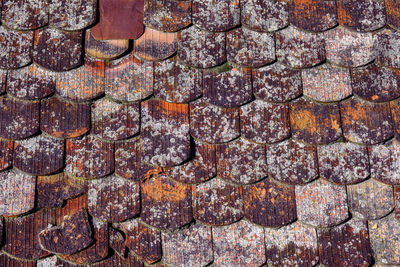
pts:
[142, 240]
[265, 122]
[345, 245]
[63, 119]
[116, 261]
[105, 49]
[200, 168]
[54, 190]
[216, 202]
[176, 82]
[165, 133]
[396, 196]
[17, 192]
[385, 160]
[347, 48]
[57, 50]
[21, 234]
[269, 203]
[387, 48]
[227, 89]
[214, 15]
[291, 245]
[166, 204]
[201, 49]
[48, 261]
[241, 161]
[277, 83]
[97, 251]
[189, 247]
[365, 122]
[72, 15]
[117, 241]
[313, 15]
[264, 16]
[321, 203]
[3, 80]
[89, 157]
[362, 15]
[371, 199]
[31, 82]
[19, 119]
[83, 83]
[250, 48]
[327, 83]
[299, 49]
[6, 154]
[23, 14]
[374, 83]
[167, 15]
[113, 199]
[39, 155]
[113, 120]
[128, 161]
[292, 162]
[121, 19]
[129, 164]
[239, 244]
[8, 261]
[393, 13]
[343, 163]
[314, 123]
[395, 109]
[15, 47]
[67, 238]
[213, 124]
[129, 79]
[385, 239]
[155, 45]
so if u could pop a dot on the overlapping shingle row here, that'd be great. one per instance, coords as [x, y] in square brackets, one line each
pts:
[231, 133]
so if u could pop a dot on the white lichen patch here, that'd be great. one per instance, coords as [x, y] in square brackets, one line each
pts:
[321, 203]
[385, 162]
[113, 120]
[189, 247]
[241, 161]
[277, 83]
[251, 48]
[347, 48]
[298, 48]
[266, 16]
[128, 79]
[280, 241]
[343, 163]
[72, 14]
[217, 202]
[213, 124]
[201, 49]
[326, 83]
[113, 198]
[264, 122]
[292, 162]
[388, 48]
[17, 193]
[25, 15]
[215, 15]
[239, 244]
